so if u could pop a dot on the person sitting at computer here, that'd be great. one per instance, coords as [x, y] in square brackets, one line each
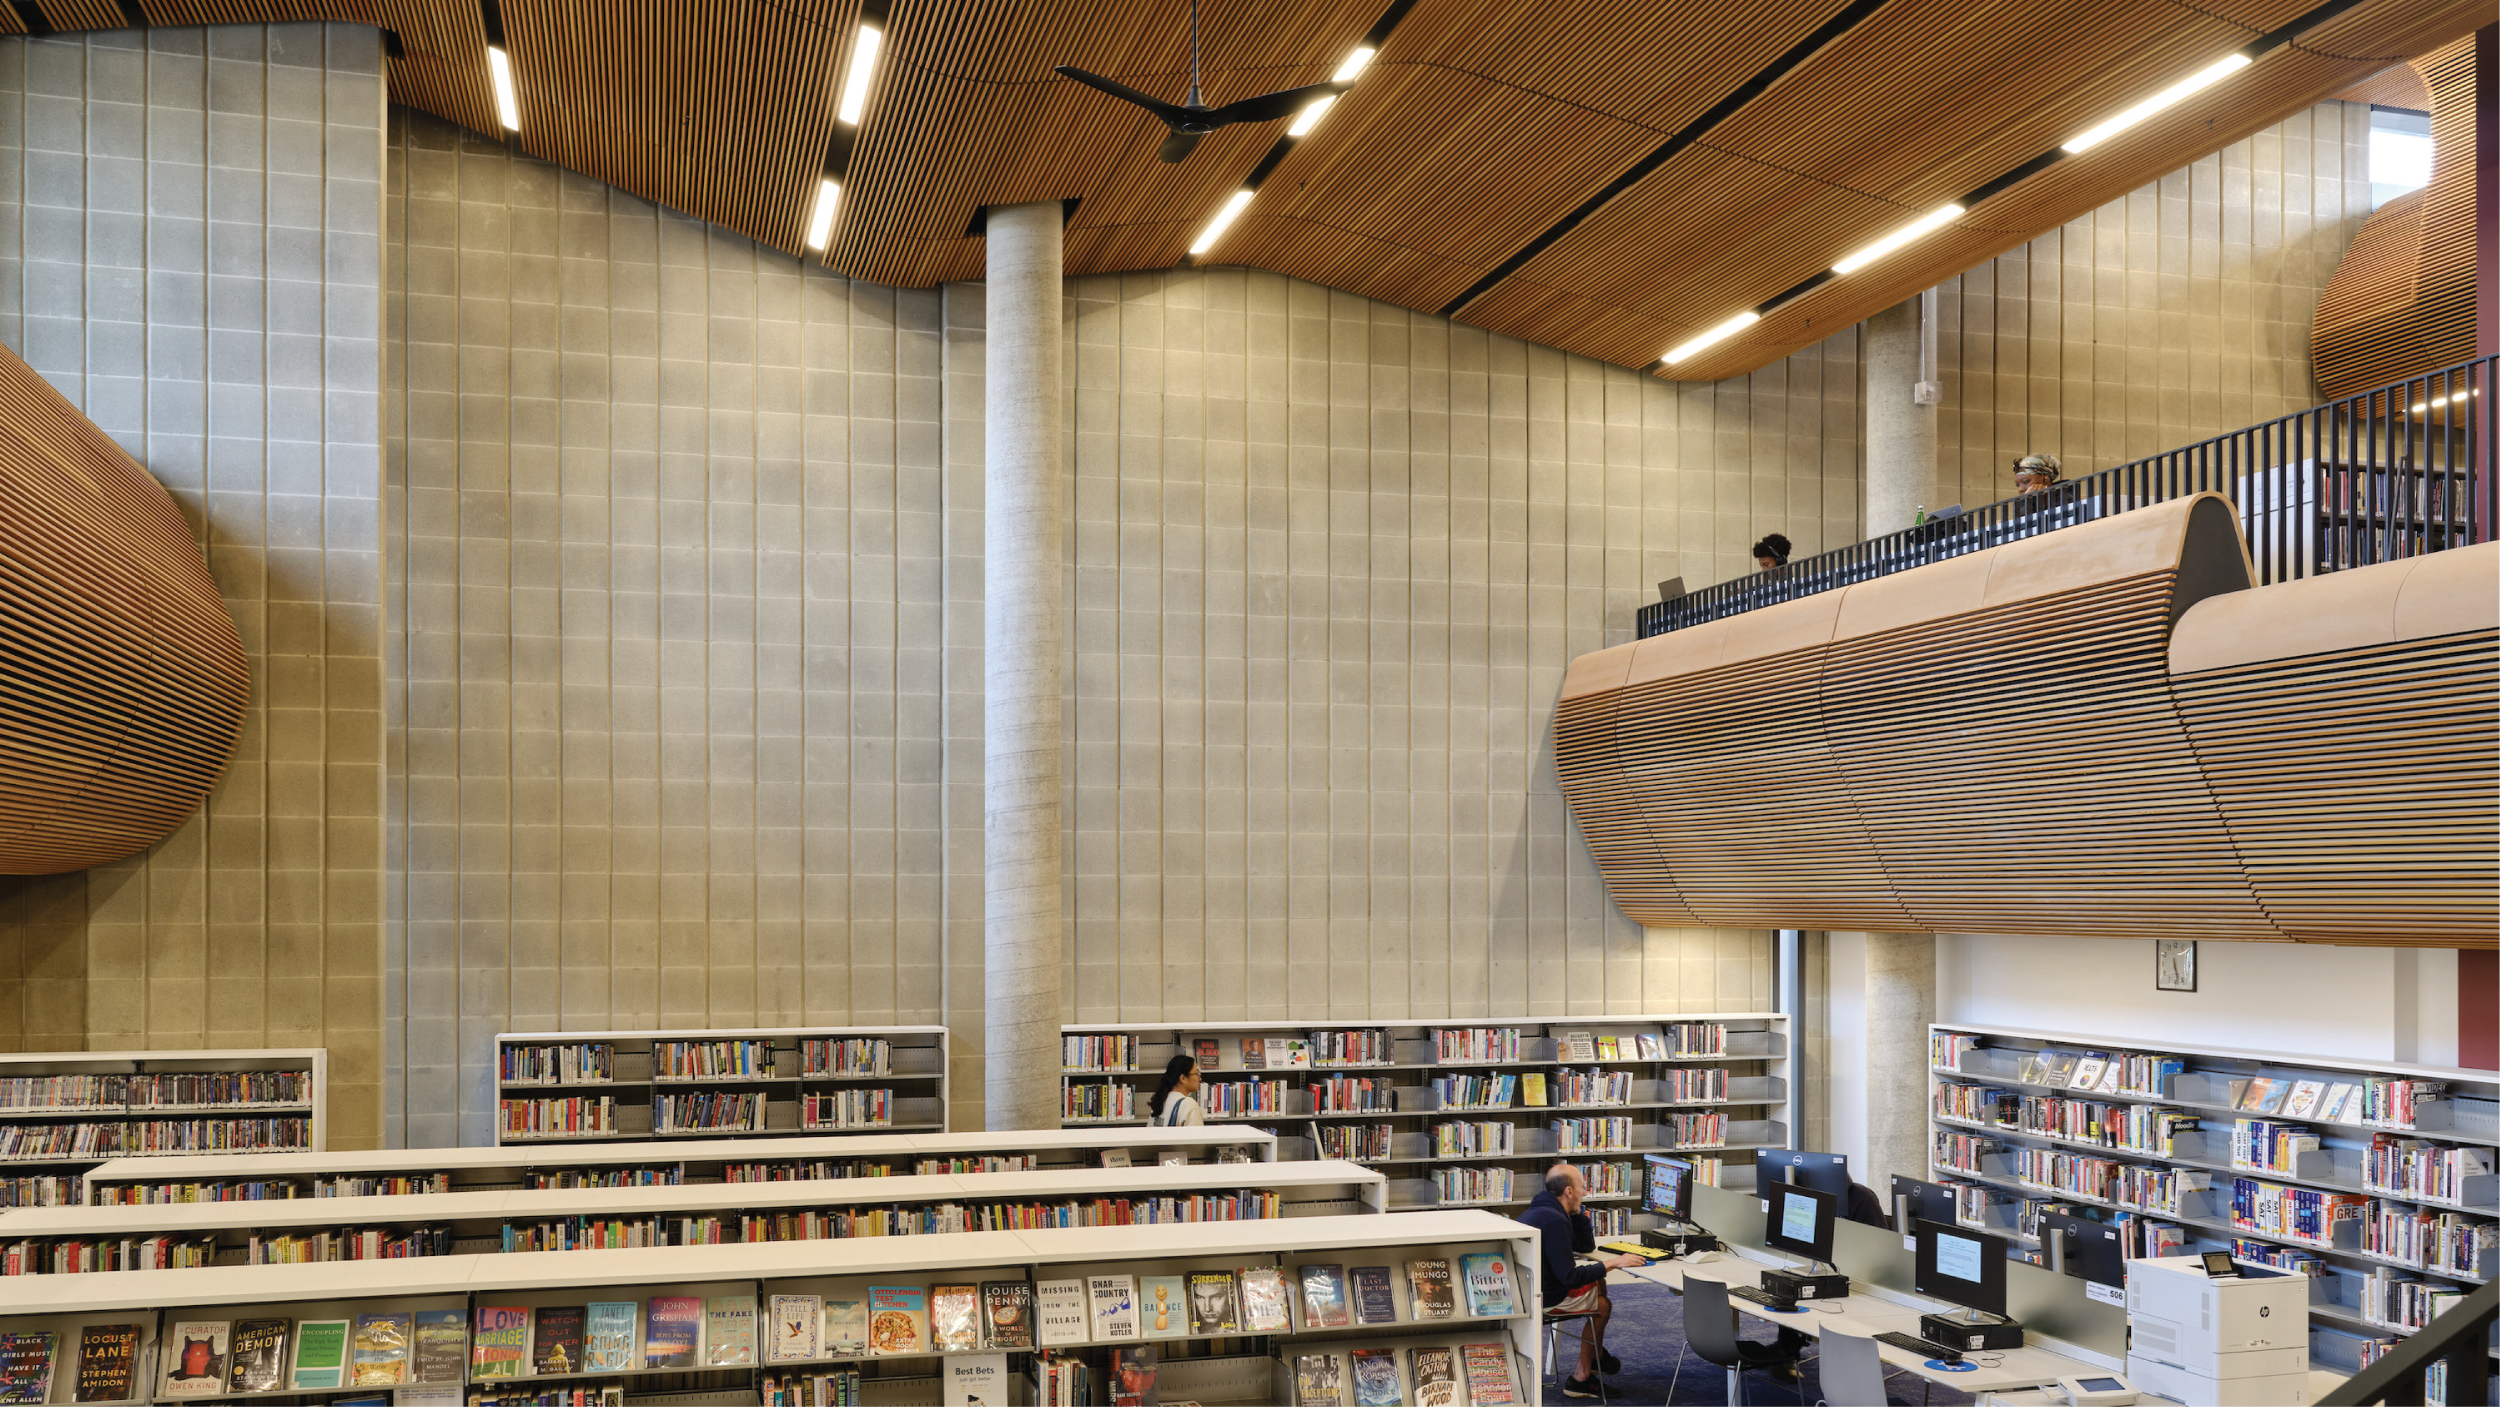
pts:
[1568, 1284]
[1771, 553]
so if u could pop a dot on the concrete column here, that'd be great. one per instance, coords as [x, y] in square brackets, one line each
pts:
[1900, 433]
[1020, 713]
[1882, 998]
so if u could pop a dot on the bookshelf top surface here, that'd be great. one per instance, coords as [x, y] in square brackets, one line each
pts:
[526, 1204]
[2488, 1080]
[965, 1253]
[705, 1150]
[1593, 1023]
[709, 1034]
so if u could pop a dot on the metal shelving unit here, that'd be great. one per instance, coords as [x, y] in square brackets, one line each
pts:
[108, 1105]
[629, 1087]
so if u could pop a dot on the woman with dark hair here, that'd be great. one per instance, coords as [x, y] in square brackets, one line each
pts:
[1771, 553]
[1175, 1102]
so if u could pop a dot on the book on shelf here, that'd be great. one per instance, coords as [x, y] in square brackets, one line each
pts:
[1487, 1276]
[955, 1318]
[2060, 1070]
[1375, 1374]
[1428, 1289]
[729, 1331]
[1264, 1305]
[898, 1319]
[25, 1369]
[441, 1353]
[1253, 1053]
[320, 1354]
[501, 1344]
[1059, 1310]
[1163, 1306]
[2089, 1069]
[1135, 1368]
[1006, 1314]
[1532, 1090]
[1318, 1381]
[379, 1353]
[2305, 1099]
[556, 1340]
[846, 1328]
[108, 1363]
[1576, 1046]
[1111, 1304]
[194, 1359]
[1375, 1302]
[672, 1331]
[1209, 1052]
[1434, 1372]
[1490, 1382]
[608, 1332]
[1324, 1304]
[256, 1355]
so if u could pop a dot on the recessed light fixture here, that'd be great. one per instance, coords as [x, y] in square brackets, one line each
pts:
[1714, 336]
[2194, 83]
[2420, 406]
[1346, 72]
[820, 220]
[863, 68]
[507, 98]
[1234, 204]
[1922, 225]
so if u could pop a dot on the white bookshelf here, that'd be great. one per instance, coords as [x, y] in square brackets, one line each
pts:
[577, 1087]
[63, 1113]
[1228, 1369]
[1755, 1065]
[1988, 1081]
[672, 1162]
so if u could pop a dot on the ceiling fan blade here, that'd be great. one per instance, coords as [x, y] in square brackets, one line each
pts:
[1267, 107]
[1178, 145]
[1169, 112]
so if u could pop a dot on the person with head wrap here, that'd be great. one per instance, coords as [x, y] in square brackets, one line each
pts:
[2033, 473]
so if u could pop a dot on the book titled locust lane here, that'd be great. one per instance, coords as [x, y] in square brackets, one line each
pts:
[108, 1363]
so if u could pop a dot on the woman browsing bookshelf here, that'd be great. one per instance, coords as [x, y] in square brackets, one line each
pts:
[1175, 1104]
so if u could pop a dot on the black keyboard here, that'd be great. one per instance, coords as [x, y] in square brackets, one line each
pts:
[1912, 1343]
[1748, 1292]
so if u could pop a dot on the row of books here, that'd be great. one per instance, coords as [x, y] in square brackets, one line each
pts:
[1486, 1183]
[1474, 1138]
[2376, 1099]
[555, 1118]
[572, 1063]
[2280, 1257]
[350, 1243]
[1611, 1179]
[2297, 1213]
[2262, 1145]
[712, 1111]
[2409, 1167]
[2434, 1376]
[2388, 1298]
[181, 1089]
[1608, 1221]
[847, 1057]
[1488, 1045]
[1369, 1377]
[1686, 1130]
[663, 1175]
[841, 1387]
[718, 1059]
[1369, 1045]
[2057, 1170]
[109, 1140]
[1962, 1152]
[377, 1185]
[2441, 1241]
[1476, 1091]
[580, 1395]
[1239, 1097]
[1595, 1134]
[1702, 1083]
[846, 1109]
[86, 1256]
[1108, 1100]
[42, 1190]
[1352, 1094]
[1106, 1051]
[944, 1218]
[1583, 1087]
[1361, 1143]
[2139, 1128]
[2159, 1189]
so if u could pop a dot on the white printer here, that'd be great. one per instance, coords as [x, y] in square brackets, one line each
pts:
[2235, 1341]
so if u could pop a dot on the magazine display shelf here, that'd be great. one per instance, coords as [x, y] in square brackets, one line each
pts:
[475, 1222]
[2469, 1117]
[687, 1161]
[42, 1177]
[1232, 1368]
[915, 1078]
[1756, 1106]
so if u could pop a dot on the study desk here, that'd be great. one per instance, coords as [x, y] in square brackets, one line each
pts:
[1871, 1309]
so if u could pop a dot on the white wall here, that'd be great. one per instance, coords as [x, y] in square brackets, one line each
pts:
[2307, 999]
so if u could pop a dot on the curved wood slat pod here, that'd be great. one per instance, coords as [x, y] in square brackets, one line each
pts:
[123, 682]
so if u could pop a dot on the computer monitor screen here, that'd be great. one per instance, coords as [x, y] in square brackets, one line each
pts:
[1914, 1200]
[2094, 1249]
[1667, 1187]
[1961, 1267]
[1801, 1221]
[1824, 1172]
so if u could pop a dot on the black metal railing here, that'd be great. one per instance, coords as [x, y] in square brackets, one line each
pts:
[2448, 1361]
[2397, 472]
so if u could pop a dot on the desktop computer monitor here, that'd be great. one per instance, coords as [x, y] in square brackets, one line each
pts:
[1824, 1172]
[1801, 1221]
[1915, 1201]
[2094, 1250]
[1964, 1267]
[1667, 1187]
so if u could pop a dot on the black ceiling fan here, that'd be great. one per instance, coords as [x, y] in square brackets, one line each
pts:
[1192, 120]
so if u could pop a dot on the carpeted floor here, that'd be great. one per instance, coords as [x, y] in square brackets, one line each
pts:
[1648, 1335]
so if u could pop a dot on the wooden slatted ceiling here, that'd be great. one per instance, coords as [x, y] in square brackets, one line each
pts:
[123, 684]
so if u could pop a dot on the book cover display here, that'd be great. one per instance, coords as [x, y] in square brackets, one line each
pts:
[1434, 1372]
[898, 1318]
[955, 1318]
[502, 1342]
[1490, 1382]
[1264, 1308]
[25, 1368]
[1059, 1306]
[1318, 1380]
[1135, 1371]
[1324, 1297]
[442, 1346]
[729, 1331]
[1488, 1284]
[672, 1331]
[194, 1355]
[1375, 1302]
[798, 1329]
[380, 1357]
[846, 1328]
[256, 1359]
[1211, 1303]
[607, 1335]
[1163, 1306]
[320, 1354]
[1428, 1289]
[1112, 1302]
[1376, 1378]
[1006, 1314]
[556, 1340]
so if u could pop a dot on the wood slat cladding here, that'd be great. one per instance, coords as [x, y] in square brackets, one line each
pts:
[1992, 744]
[2401, 302]
[123, 682]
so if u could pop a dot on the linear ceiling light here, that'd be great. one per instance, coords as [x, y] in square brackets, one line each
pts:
[1346, 72]
[1922, 225]
[863, 68]
[820, 220]
[507, 98]
[2420, 406]
[2194, 83]
[1714, 336]
[1234, 204]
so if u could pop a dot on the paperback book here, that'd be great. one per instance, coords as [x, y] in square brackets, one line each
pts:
[1263, 1303]
[846, 1328]
[607, 1335]
[25, 1368]
[1488, 1284]
[256, 1359]
[955, 1318]
[1489, 1379]
[442, 1346]
[898, 1318]
[194, 1355]
[1376, 1377]
[798, 1329]
[1113, 1303]
[1428, 1289]
[320, 1354]
[501, 1343]
[1212, 1304]
[1163, 1306]
[1374, 1301]
[380, 1356]
[1006, 1314]
[672, 1331]
[1324, 1297]
[1318, 1381]
[729, 1331]
[1059, 1308]
[556, 1341]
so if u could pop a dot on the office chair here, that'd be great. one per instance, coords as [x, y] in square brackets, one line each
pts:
[1578, 1322]
[1851, 1368]
[1710, 1327]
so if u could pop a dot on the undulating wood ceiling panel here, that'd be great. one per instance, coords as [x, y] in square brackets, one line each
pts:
[123, 683]
[2402, 301]
[2397, 85]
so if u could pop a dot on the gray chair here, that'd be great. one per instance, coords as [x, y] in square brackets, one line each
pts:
[1710, 1327]
[1555, 1371]
[1852, 1369]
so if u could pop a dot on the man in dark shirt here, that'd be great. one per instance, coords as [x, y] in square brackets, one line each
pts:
[1567, 1285]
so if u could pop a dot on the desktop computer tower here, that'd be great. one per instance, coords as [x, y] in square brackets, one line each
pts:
[1679, 1241]
[1793, 1285]
[1985, 1336]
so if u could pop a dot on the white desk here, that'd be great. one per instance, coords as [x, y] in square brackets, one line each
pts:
[1871, 1309]
[2320, 1381]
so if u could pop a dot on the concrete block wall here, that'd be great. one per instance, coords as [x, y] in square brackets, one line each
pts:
[190, 251]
